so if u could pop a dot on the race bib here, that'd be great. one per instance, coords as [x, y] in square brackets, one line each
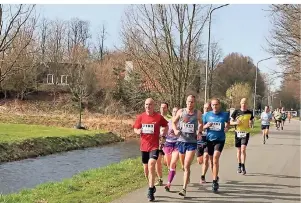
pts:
[148, 128]
[216, 126]
[241, 134]
[188, 128]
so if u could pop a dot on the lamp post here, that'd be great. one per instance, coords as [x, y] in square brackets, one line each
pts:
[272, 98]
[208, 50]
[255, 86]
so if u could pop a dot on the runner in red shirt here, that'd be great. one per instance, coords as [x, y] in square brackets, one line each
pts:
[147, 125]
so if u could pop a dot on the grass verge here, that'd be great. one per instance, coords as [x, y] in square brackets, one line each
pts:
[120, 126]
[97, 185]
[20, 141]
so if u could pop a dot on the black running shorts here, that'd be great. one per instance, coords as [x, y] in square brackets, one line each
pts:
[241, 140]
[263, 127]
[149, 155]
[214, 146]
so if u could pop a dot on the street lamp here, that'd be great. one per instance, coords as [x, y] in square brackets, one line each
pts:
[272, 98]
[208, 49]
[256, 73]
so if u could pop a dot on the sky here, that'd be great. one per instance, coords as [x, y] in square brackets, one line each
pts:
[237, 28]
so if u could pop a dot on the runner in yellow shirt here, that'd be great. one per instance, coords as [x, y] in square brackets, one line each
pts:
[242, 118]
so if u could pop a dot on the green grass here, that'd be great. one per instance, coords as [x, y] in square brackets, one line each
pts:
[97, 185]
[19, 132]
[21, 141]
[93, 186]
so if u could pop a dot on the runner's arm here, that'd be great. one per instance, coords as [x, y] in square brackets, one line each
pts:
[164, 127]
[175, 120]
[137, 125]
[251, 120]
[137, 131]
[200, 127]
[261, 116]
[227, 126]
[205, 123]
[233, 117]
[271, 117]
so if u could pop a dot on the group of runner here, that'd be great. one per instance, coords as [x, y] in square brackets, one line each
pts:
[186, 133]
[280, 117]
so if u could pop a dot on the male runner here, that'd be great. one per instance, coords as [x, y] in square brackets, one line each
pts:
[277, 117]
[283, 117]
[265, 118]
[216, 124]
[164, 113]
[203, 157]
[171, 151]
[147, 125]
[243, 118]
[191, 127]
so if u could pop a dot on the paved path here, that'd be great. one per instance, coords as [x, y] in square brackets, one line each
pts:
[273, 174]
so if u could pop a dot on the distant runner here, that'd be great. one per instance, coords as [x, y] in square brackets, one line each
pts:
[242, 118]
[265, 118]
[164, 113]
[278, 119]
[171, 151]
[216, 123]
[202, 156]
[289, 116]
[147, 125]
[283, 117]
[191, 127]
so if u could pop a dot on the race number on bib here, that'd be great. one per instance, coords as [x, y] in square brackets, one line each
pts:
[241, 134]
[188, 128]
[216, 126]
[148, 128]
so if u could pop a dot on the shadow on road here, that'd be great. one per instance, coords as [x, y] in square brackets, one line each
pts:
[236, 191]
[284, 138]
[292, 145]
[276, 176]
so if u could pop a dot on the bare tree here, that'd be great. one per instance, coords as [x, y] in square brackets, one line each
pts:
[22, 80]
[216, 56]
[56, 41]
[81, 73]
[56, 49]
[78, 34]
[43, 38]
[14, 19]
[285, 39]
[163, 41]
[101, 38]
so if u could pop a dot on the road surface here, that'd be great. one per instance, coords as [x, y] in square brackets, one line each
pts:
[273, 174]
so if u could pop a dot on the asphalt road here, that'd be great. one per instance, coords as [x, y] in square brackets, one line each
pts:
[273, 174]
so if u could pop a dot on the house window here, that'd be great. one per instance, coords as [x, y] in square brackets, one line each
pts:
[50, 79]
[64, 79]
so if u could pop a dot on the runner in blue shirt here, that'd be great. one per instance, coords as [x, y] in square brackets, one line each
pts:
[216, 123]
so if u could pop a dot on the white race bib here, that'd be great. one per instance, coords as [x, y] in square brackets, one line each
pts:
[188, 128]
[216, 126]
[241, 134]
[148, 128]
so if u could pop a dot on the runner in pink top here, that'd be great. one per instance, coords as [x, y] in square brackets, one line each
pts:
[171, 151]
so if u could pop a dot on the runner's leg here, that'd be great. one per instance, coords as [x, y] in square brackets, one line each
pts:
[159, 170]
[172, 170]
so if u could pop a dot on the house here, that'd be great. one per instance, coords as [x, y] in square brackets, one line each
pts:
[56, 74]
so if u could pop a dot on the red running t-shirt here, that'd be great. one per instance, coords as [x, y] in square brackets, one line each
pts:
[150, 130]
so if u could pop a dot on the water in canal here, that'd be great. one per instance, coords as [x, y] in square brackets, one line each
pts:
[28, 173]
